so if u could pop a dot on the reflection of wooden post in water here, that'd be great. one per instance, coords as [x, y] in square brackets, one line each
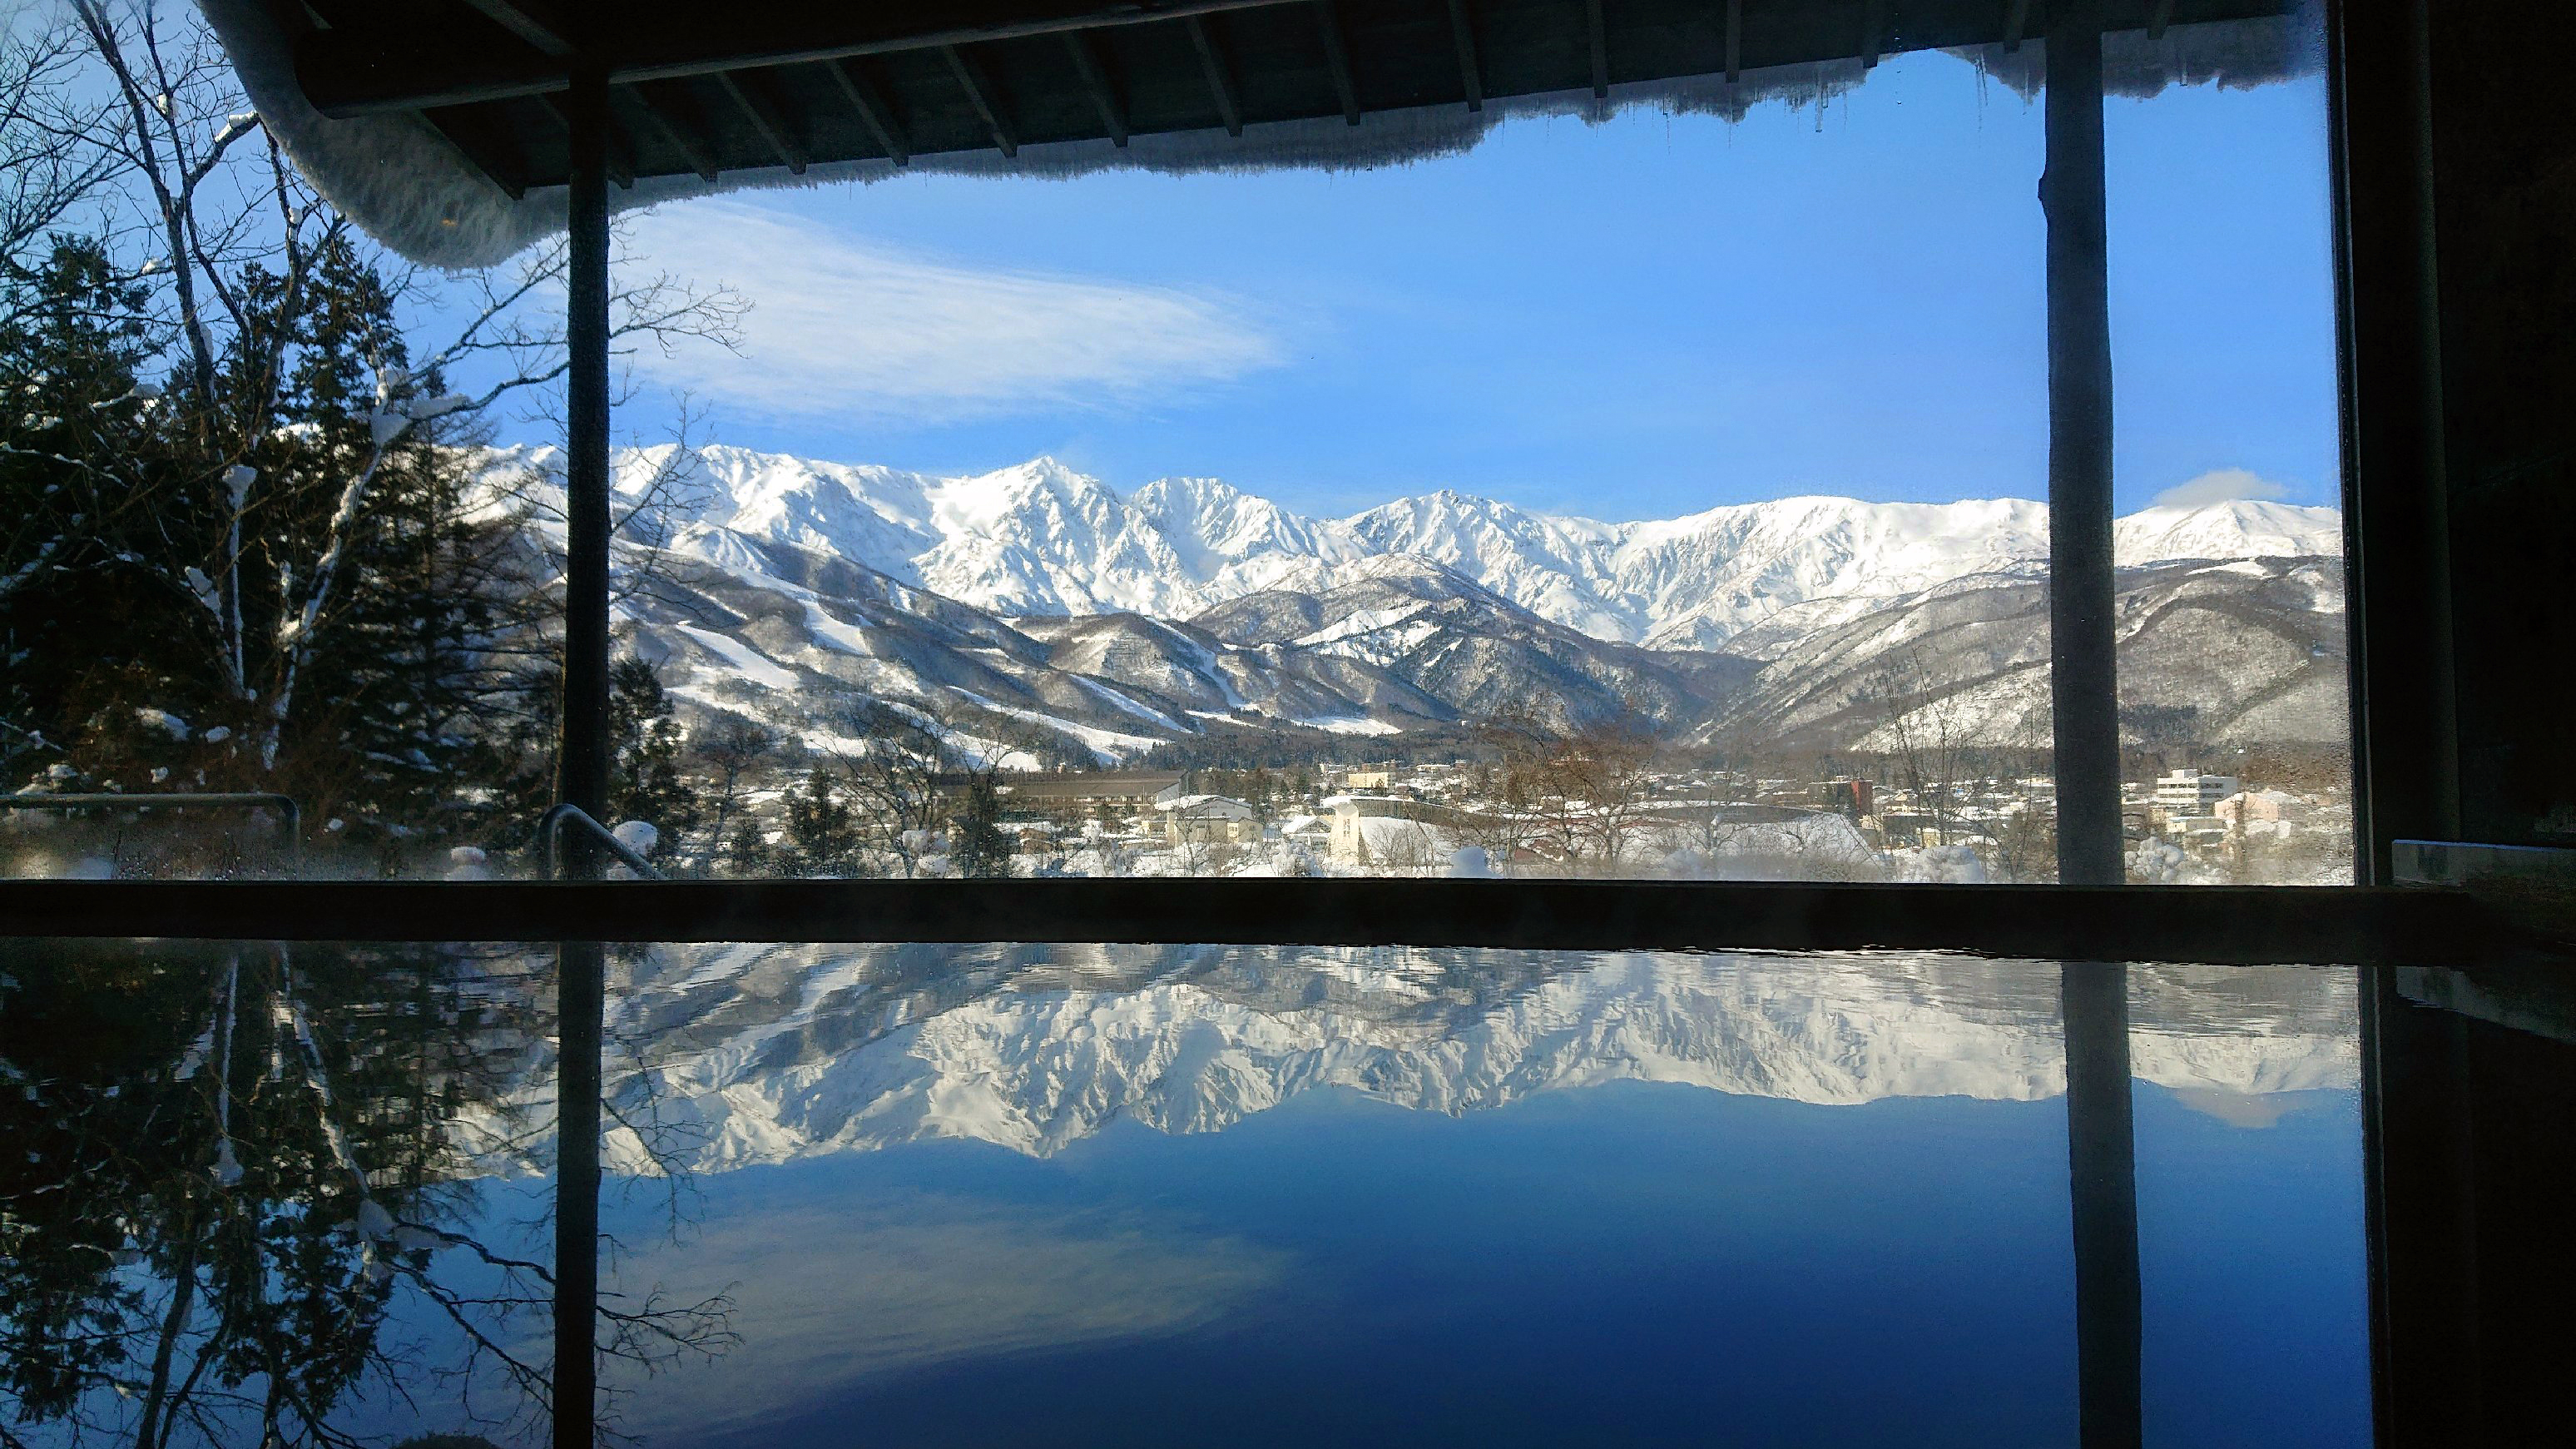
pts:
[2419, 1119]
[582, 761]
[578, 998]
[2103, 1173]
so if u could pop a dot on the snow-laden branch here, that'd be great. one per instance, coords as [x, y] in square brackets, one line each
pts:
[235, 127]
[18, 577]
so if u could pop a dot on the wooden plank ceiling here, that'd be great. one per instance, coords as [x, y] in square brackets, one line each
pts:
[757, 84]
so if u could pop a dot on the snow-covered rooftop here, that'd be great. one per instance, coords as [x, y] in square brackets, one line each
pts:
[429, 123]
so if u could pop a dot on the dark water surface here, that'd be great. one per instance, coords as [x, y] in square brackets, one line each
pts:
[1184, 1196]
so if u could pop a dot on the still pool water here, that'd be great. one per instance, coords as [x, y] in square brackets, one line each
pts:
[1186, 1196]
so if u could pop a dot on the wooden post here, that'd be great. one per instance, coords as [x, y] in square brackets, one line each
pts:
[582, 763]
[2102, 1177]
[2397, 525]
[2083, 677]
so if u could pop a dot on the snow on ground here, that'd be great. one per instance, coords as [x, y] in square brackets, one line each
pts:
[1351, 725]
[1111, 745]
[1119, 701]
[848, 638]
[750, 663]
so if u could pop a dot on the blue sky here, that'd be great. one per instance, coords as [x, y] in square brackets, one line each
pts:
[1635, 319]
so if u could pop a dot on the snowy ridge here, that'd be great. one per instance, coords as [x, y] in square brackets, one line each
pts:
[2248, 651]
[798, 593]
[1040, 538]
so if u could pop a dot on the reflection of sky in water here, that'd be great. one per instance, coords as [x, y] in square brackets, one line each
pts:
[1209, 1207]
[1626, 1264]
[1157, 1197]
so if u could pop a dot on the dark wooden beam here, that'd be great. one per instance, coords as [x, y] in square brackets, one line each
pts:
[872, 107]
[358, 70]
[1734, 41]
[2016, 24]
[1337, 59]
[1220, 77]
[677, 118]
[532, 21]
[1095, 79]
[1471, 76]
[985, 96]
[752, 95]
[2159, 19]
[2223, 925]
[583, 754]
[1873, 26]
[583, 747]
[2409, 762]
[1600, 43]
[2083, 614]
[618, 152]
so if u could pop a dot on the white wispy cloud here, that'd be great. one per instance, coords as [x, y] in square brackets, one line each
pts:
[2218, 486]
[841, 326]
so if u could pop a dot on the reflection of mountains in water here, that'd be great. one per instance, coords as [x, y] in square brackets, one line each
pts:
[777, 1052]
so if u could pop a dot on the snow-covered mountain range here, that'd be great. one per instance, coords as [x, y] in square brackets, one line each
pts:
[1041, 538]
[1038, 617]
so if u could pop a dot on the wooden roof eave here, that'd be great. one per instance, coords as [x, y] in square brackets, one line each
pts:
[422, 90]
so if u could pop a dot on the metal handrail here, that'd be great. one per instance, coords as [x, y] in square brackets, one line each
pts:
[550, 840]
[239, 800]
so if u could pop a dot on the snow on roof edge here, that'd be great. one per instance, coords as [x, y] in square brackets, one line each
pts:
[411, 190]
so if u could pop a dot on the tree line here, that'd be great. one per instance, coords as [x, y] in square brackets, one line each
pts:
[250, 538]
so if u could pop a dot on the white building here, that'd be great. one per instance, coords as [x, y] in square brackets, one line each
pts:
[1311, 831]
[2188, 792]
[1384, 833]
[1207, 820]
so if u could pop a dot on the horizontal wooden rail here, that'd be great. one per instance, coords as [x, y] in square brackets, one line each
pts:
[2216, 924]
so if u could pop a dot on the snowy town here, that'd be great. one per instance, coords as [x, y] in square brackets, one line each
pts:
[1488, 818]
[2185, 827]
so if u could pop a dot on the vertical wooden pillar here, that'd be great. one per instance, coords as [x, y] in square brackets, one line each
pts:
[2396, 493]
[2084, 677]
[2084, 695]
[581, 769]
[582, 764]
[2102, 1175]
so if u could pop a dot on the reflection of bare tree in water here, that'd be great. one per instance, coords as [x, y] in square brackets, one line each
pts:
[238, 1188]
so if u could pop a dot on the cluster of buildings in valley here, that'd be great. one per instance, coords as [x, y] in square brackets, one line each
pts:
[2185, 825]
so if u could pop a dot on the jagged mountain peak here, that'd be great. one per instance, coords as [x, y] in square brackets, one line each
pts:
[1043, 537]
[1037, 598]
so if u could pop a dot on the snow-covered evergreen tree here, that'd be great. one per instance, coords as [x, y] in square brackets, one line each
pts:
[645, 782]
